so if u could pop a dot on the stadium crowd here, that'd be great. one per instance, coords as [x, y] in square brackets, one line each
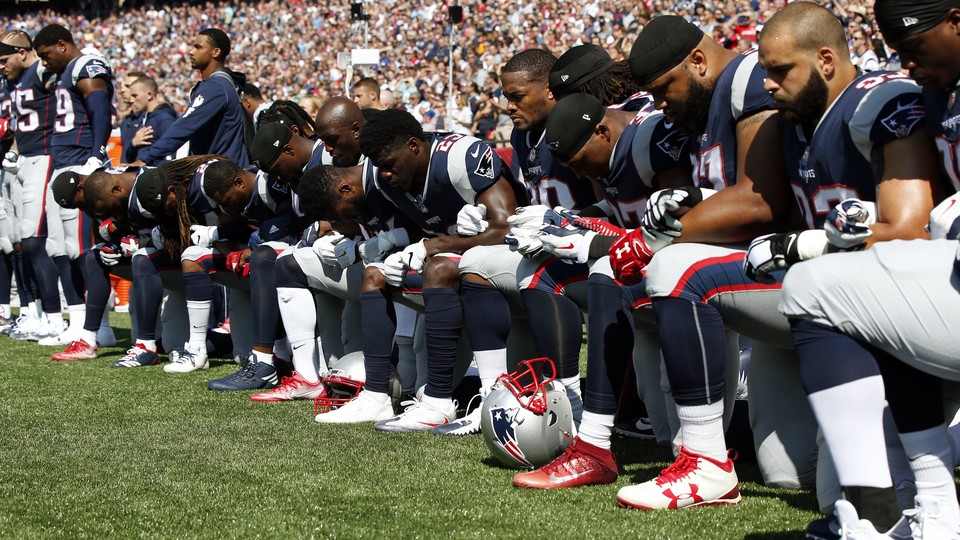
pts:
[413, 39]
[695, 177]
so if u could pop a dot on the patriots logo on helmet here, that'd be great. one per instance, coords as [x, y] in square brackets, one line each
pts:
[672, 144]
[902, 120]
[502, 420]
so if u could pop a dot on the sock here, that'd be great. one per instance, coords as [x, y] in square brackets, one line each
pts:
[440, 404]
[89, 337]
[34, 310]
[596, 429]
[55, 318]
[299, 314]
[702, 427]
[443, 320]
[78, 315]
[854, 386]
[572, 386]
[198, 312]
[263, 358]
[490, 364]
[378, 322]
[98, 293]
[694, 346]
[149, 344]
[930, 456]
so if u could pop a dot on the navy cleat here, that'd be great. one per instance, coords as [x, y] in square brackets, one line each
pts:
[137, 356]
[253, 376]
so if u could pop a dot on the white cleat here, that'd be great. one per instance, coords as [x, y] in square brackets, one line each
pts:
[928, 522]
[367, 407]
[187, 361]
[692, 480]
[47, 329]
[468, 425]
[63, 338]
[419, 416]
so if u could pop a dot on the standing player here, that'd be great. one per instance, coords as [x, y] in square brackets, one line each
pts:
[152, 116]
[429, 179]
[34, 109]
[214, 122]
[888, 312]
[85, 111]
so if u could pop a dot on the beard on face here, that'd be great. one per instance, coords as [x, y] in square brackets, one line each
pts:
[809, 105]
[696, 110]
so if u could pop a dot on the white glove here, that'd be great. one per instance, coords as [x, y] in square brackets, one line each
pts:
[470, 220]
[325, 246]
[12, 162]
[529, 219]
[92, 164]
[528, 245]
[566, 244]
[110, 256]
[376, 248]
[203, 236]
[945, 219]
[414, 256]
[848, 224]
[393, 269]
[156, 238]
[6, 246]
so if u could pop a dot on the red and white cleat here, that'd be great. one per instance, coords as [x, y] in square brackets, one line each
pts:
[581, 464]
[692, 480]
[295, 387]
[77, 350]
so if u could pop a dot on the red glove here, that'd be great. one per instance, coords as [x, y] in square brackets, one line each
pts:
[629, 255]
[233, 264]
[106, 229]
[599, 226]
[4, 128]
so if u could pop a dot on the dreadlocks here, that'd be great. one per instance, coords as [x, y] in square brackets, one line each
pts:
[178, 175]
[611, 87]
[289, 113]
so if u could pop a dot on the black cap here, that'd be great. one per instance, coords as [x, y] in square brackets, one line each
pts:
[577, 66]
[661, 46]
[152, 191]
[64, 188]
[899, 19]
[268, 143]
[571, 123]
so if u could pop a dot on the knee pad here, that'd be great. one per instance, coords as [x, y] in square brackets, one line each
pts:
[195, 253]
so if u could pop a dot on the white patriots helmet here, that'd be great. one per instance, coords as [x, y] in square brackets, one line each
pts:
[526, 419]
[345, 380]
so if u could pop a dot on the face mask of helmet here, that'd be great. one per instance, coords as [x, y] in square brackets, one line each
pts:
[526, 419]
[344, 382]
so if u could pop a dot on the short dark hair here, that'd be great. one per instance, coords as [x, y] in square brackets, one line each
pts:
[252, 90]
[51, 35]
[536, 62]
[368, 82]
[318, 192]
[96, 187]
[148, 83]
[386, 131]
[219, 39]
[218, 176]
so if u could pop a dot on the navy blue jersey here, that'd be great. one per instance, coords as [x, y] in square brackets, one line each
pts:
[197, 200]
[834, 163]
[213, 124]
[943, 124]
[159, 119]
[548, 182]
[461, 169]
[648, 145]
[73, 132]
[378, 212]
[129, 126]
[738, 94]
[34, 113]
[267, 197]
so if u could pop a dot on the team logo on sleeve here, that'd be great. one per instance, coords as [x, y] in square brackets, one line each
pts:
[485, 164]
[195, 105]
[903, 119]
[672, 144]
[96, 69]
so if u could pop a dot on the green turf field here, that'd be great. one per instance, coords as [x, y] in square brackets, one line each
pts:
[89, 451]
